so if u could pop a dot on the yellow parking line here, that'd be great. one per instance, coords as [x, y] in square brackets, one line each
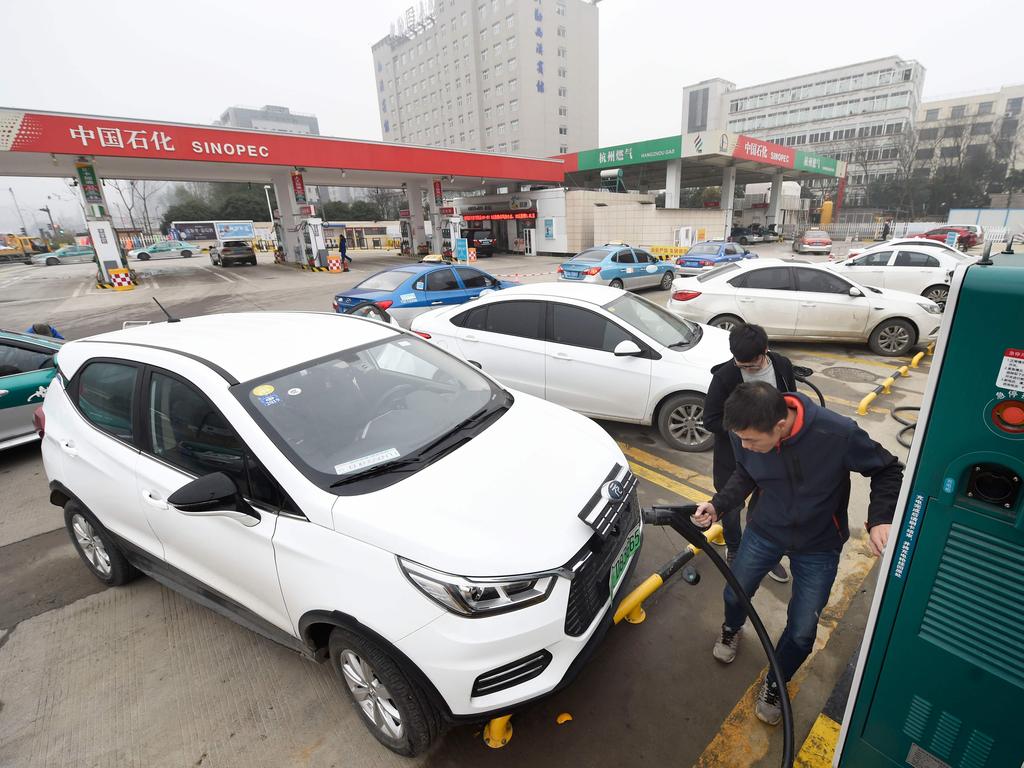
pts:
[820, 745]
[693, 494]
[853, 360]
[694, 478]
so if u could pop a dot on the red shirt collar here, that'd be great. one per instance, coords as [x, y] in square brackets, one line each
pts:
[794, 403]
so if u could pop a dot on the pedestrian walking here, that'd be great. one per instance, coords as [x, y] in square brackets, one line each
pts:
[799, 457]
[751, 361]
[343, 248]
[886, 229]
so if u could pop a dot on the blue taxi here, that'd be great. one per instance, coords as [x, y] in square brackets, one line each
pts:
[709, 254]
[413, 289]
[619, 266]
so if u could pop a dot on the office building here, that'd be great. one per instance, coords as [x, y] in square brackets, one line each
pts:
[509, 76]
[270, 118]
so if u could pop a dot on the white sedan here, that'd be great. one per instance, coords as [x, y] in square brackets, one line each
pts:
[601, 351]
[916, 268]
[806, 301]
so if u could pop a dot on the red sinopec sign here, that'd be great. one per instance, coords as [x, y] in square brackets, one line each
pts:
[437, 193]
[447, 211]
[764, 152]
[500, 216]
[298, 187]
[114, 137]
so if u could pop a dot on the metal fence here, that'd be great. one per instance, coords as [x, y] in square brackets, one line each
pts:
[871, 231]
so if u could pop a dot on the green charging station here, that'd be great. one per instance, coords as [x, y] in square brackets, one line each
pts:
[940, 675]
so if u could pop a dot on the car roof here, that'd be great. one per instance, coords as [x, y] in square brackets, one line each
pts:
[46, 341]
[917, 242]
[260, 342]
[588, 292]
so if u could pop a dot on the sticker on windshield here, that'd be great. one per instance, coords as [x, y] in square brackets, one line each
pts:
[262, 389]
[294, 391]
[270, 400]
[366, 461]
[407, 297]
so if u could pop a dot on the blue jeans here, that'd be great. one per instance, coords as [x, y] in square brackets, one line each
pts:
[813, 576]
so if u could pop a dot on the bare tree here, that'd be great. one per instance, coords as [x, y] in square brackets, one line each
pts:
[147, 191]
[386, 202]
[126, 191]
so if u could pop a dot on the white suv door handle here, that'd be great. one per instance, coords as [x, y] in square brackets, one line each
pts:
[469, 337]
[745, 301]
[4, 392]
[562, 356]
[153, 499]
[809, 306]
[68, 446]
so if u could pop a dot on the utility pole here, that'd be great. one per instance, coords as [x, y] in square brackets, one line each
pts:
[24, 230]
[53, 229]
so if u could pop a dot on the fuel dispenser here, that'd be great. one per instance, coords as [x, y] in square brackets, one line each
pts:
[940, 676]
[313, 243]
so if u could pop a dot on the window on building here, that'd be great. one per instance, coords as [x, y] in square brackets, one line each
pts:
[515, 145]
[500, 109]
[1008, 127]
[487, 94]
[501, 129]
[563, 92]
[510, 44]
[1013, 106]
[928, 134]
[488, 132]
[485, 74]
[563, 130]
[931, 115]
[503, 147]
[563, 148]
[985, 108]
[513, 85]
[949, 152]
[561, 31]
[952, 132]
[562, 53]
[560, 9]
[958, 111]
[981, 129]
[513, 105]
[512, 64]
[499, 90]
[510, 22]
[514, 125]
[562, 72]
[563, 111]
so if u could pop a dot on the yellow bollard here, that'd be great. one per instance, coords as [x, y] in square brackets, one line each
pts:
[931, 348]
[904, 370]
[862, 409]
[886, 386]
[498, 732]
[917, 359]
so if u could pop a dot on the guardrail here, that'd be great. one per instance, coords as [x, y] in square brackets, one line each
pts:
[885, 387]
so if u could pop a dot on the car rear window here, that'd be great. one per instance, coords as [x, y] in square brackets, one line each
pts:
[592, 256]
[816, 233]
[711, 274]
[235, 244]
[386, 281]
[699, 249]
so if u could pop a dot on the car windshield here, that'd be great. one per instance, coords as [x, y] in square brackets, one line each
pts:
[340, 416]
[717, 272]
[706, 248]
[650, 319]
[385, 281]
[591, 257]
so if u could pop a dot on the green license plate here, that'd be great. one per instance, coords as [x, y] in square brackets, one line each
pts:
[629, 548]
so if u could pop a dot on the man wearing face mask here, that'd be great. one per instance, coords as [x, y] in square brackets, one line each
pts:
[752, 361]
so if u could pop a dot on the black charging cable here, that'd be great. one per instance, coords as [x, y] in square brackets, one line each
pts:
[678, 518]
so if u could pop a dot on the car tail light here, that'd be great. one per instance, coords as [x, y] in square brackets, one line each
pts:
[706, 263]
[685, 295]
[384, 304]
[560, 270]
[423, 334]
[592, 271]
[334, 304]
[39, 421]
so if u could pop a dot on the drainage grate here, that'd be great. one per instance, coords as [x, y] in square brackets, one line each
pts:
[855, 375]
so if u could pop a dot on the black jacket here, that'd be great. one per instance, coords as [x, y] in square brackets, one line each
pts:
[804, 484]
[725, 379]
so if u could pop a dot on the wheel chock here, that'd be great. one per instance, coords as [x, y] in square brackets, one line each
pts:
[717, 537]
[498, 732]
[563, 718]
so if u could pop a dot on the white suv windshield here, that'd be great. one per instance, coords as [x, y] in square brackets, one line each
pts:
[661, 325]
[337, 418]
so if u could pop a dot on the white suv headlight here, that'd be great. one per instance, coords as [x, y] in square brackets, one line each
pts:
[931, 308]
[476, 597]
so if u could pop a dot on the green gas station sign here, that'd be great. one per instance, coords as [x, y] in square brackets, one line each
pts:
[805, 161]
[653, 151]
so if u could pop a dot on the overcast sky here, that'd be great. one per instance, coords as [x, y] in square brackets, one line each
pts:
[186, 61]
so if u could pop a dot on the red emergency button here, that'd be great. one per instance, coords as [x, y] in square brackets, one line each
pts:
[1009, 416]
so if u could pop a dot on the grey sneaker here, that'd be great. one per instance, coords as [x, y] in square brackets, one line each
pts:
[727, 645]
[768, 709]
[780, 574]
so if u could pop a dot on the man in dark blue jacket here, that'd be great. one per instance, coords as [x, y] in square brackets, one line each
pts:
[799, 456]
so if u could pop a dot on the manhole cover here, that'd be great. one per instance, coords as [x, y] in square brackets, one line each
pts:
[843, 373]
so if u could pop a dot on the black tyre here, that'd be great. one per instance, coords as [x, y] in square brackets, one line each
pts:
[143, 257]
[252, 261]
[616, 283]
[892, 338]
[938, 294]
[726, 322]
[744, 241]
[52, 262]
[94, 545]
[213, 261]
[666, 281]
[681, 423]
[393, 707]
[186, 254]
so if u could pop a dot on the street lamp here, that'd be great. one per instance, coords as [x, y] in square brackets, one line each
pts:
[270, 210]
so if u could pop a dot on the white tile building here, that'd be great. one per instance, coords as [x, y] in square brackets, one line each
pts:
[508, 76]
[858, 113]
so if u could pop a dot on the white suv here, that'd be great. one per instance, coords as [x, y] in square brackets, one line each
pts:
[353, 492]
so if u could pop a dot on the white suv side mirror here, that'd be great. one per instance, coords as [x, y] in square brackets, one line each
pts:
[855, 291]
[627, 348]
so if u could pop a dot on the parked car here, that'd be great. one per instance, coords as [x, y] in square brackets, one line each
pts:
[919, 268]
[481, 239]
[231, 252]
[330, 482]
[813, 241]
[745, 235]
[413, 289]
[603, 352]
[977, 229]
[165, 249]
[807, 302]
[709, 254]
[768, 234]
[908, 241]
[26, 370]
[619, 266]
[69, 254]
[965, 238]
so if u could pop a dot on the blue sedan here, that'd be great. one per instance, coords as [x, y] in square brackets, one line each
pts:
[618, 266]
[407, 291]
[710, 254]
